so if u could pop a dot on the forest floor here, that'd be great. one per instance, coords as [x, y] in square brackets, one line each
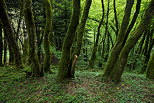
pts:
[85, 88]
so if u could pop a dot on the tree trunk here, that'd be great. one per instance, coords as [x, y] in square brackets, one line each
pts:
[107, 46]
[122, 60]
[93, 56]
[1, 45]
[11, 56]
[10, 34]
[119, 43]
[150, 68]
[29, 19]
[80, 32]
[116, 19]
[47, 33]
[5, 49]
[68, 40]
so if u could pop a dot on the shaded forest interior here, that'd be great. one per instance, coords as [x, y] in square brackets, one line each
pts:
[75, 51]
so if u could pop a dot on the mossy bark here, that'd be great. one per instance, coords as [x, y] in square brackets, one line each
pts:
[47, 33]
[68, 40]
[1, 45]
[93, 56]
[116, 18]
[10, 34]
[150, 68]
[80, 32]
[29, 19]
[116, 74]
[119, 43]
[5, 50]
[11, 56]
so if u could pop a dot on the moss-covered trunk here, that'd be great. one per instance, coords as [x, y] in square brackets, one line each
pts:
[30, 25]
[47, 33]
[119, 43]
[10, 34]
[5, 50]
[80, 32]
[93, 56]
[115, 16]
[116, 74]
[1, 45]
[150, 68]
[68, 40]
[11, 56]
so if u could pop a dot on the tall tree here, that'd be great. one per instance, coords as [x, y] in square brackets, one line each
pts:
[119, 43]
[80, 32]
[1, 45]
[47, 33]
[150, 68]
[122, 60]
[93, 56]
[116, 18]
[65, 58]
[29, 19]
[10, 34]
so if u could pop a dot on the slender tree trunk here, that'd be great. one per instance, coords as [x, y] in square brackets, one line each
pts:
[139, 49]
[150, 68]
[151, 44]
[122, 60]
[5, 49]
[80, 32]
[47, 33]
[119, 43]
[115, 16]
[11, 56]
[93, 56]
[105, 56]
[1, 45]
[10, 34]
[29, 19]
[20, 19]
[68, 40]
[138, 5]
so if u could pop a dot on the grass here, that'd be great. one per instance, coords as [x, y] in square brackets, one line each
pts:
[85, 88]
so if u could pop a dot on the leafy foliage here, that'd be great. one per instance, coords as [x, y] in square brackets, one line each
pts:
[86, 87]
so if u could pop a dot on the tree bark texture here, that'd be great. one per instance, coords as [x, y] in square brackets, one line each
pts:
[1, 45]
[80, 32]
[47, 33]
[119, 43]
[150, 68]
[10, 34]
[122, 60]
[68, 40]
[30, 25]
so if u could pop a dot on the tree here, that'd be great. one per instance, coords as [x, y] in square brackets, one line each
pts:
[9, 33]
[1, 45]
[61, 17]
[115, 16]
[150, 68]
[122, 60]
[29, 19]
[47, 33]
[93, 56]
[65, 58]
[79, 33]
[120, 39]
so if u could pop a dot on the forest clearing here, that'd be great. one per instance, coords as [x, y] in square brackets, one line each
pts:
[76, 51]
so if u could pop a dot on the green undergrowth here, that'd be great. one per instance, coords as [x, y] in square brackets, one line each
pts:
[85, 88]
